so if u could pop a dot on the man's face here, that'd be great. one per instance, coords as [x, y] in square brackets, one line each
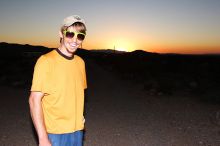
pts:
[70, 40]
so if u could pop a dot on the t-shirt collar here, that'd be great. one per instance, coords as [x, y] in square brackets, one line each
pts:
[63, 55]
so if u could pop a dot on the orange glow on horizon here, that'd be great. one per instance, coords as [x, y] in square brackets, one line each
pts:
[129, 46]
[187, 50]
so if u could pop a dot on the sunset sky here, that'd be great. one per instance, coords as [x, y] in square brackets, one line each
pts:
[163, 26]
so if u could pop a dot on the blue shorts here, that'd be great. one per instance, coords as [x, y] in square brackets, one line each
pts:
[68, 139]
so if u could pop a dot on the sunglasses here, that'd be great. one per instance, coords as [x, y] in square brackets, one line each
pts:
[71, 34]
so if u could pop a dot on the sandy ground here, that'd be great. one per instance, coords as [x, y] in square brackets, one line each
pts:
[119, 113]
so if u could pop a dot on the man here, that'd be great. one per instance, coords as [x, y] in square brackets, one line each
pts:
[57, 92]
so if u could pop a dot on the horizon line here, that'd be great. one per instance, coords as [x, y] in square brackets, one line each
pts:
[168, 53]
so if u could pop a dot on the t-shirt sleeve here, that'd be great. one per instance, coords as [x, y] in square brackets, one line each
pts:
[41, 75]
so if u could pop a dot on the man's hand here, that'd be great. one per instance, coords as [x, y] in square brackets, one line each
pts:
[45, 142]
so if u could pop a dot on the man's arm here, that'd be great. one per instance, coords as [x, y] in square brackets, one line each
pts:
[38, 118]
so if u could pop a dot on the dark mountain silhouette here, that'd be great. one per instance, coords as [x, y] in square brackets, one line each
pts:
[158, 74]
[16, 50]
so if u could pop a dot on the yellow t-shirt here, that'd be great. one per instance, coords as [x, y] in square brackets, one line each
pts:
[63, 81]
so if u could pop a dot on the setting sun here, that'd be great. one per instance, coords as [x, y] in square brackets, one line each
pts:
[121, 44]
[121, 49]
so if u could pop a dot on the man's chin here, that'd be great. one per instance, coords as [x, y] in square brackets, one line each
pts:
[72, 50]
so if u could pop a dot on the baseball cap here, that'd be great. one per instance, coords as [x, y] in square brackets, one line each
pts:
[72, 19]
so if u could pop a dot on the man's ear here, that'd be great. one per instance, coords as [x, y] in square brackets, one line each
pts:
[60, 34]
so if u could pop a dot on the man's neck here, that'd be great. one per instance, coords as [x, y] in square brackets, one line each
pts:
[63, 54]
